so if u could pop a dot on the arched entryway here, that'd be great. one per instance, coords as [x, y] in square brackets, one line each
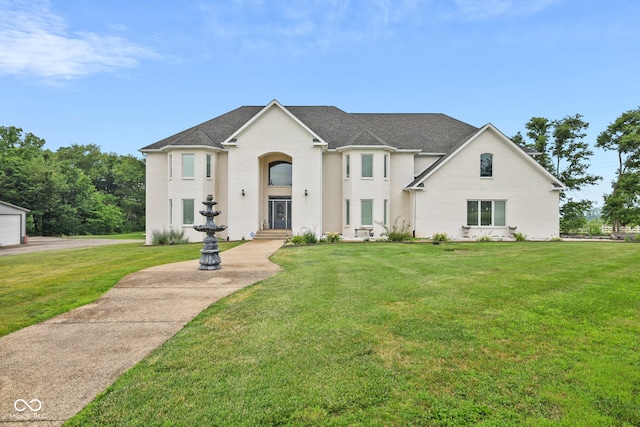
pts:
[276, 184]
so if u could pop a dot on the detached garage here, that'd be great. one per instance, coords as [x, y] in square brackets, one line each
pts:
[13, 224]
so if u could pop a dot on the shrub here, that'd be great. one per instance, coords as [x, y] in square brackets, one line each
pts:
[440, 237]
[595, 227]
[333, 237]
[485, 238]
[520, 237]
[171, 237]
[297, 240]
[307, 237]
[397, 233]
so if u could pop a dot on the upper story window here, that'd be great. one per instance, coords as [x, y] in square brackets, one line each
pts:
[347, 162]
[386, 166]
[367, 165]
[280, 173]
[188, 165]
[486, 165]
[208, 166]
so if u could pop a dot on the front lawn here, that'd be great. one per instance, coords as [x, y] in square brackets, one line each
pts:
[37, 286]
[493, 334]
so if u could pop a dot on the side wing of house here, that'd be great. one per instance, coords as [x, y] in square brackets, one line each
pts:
[487, 186]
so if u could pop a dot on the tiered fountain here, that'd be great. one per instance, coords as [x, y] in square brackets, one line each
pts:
[210, 260]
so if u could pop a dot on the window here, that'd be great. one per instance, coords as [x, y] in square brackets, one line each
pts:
[386, 163]
[487, 213]
[486, 165]
[188, 165]
[366, 212]
[384, 213]
[367, 165]
[208, 166]
[280, 174]
[170, 212]
[347, 213]
[347, 161]
[187, 211]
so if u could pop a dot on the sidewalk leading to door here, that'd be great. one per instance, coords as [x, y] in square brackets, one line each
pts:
[58, 366]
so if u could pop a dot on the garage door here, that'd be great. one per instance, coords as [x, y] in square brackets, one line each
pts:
[10, 230]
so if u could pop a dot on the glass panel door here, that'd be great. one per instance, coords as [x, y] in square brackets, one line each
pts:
[280, 213]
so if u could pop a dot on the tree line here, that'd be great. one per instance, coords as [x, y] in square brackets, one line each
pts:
[561, 149]
[76, 190]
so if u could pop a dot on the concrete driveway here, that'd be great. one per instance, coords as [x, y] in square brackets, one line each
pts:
[51, 370]
[39, 244]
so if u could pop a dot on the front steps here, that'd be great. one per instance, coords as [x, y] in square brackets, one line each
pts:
[272, 235]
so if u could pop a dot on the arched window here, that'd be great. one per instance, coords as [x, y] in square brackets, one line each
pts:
[486, 165]
[280, 173]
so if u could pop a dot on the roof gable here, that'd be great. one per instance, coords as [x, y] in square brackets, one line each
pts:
[418, 182]
[12, 206]
[256, 117]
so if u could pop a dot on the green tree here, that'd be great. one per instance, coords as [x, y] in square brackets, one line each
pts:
[76, 190]
[16, 151]
[129, 188]
[563, 152]
[622, 206]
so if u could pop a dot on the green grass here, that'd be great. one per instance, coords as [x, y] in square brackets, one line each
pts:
[509, 334]
[38, 286]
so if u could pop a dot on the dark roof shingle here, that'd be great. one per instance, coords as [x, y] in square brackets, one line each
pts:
[432, 133]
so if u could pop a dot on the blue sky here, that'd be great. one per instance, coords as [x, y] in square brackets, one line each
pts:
[125, 73]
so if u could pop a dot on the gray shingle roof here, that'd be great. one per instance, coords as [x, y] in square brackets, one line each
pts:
[432, 133]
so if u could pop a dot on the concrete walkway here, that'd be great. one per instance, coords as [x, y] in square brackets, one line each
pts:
[50, 371]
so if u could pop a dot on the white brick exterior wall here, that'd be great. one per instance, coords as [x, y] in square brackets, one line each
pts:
[440, 206]
[531, 202]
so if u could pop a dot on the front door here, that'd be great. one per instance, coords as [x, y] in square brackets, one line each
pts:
[280, 213]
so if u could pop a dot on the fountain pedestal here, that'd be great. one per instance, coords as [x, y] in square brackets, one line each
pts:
[210, 259]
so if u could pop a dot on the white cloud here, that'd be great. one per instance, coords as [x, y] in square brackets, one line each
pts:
[35, 41]
[305, 25]
[482, 9]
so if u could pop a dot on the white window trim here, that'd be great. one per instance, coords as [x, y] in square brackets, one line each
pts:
[362, 166]
[347, 166]
[372, 211]
[386, 166]
[182, 166]
[493, 213]
[184, 224]
[347, 212]
[208, 167]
